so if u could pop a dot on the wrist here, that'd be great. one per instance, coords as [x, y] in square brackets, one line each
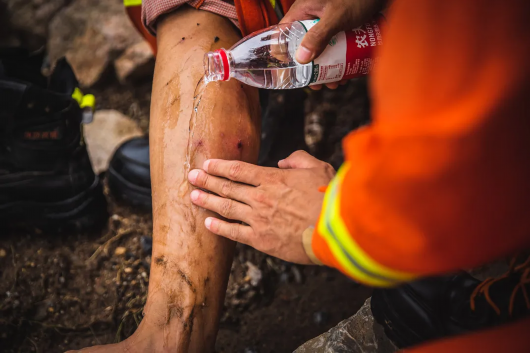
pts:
[307, 239]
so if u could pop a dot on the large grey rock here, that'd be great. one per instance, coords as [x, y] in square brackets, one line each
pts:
[28, 20]
[361, 334]
[358, 334]
[136, 63]
[109, 130]
[91, 34]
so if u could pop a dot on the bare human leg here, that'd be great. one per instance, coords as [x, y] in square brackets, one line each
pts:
[189, 124]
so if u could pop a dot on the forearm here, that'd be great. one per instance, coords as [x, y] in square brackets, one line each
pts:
[190, 123]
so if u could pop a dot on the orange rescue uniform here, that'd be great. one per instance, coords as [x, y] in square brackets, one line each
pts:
[441, 179]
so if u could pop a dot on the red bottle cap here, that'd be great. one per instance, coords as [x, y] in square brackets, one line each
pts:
[226, 68]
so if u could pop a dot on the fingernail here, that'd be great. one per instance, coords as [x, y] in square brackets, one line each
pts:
[195, 195]
[304, 55]
[192, 176]
[208, 222]
[205, 165]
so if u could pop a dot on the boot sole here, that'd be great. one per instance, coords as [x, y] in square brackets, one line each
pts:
[86, 210]
[125, 190]
[394, 328]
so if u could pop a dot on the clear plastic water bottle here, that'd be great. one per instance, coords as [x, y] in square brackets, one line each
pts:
[266, 59]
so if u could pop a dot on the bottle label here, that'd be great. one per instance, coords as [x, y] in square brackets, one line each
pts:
[349, 54]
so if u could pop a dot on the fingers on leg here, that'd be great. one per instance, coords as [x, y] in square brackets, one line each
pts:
[222, 187]
[225, 207]
[234, 231]
[234, 170]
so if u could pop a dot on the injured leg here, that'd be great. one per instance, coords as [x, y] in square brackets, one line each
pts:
[189, 124]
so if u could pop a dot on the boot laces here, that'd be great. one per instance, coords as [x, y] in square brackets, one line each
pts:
[484, 287]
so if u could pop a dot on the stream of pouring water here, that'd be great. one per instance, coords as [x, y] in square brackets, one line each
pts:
[197, 97]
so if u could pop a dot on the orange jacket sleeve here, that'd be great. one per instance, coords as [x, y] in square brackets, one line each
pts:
[441, 179]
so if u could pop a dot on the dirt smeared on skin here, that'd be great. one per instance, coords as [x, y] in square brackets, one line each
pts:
[188, 324]
[161, 261]
[187, 280]
[191, 145]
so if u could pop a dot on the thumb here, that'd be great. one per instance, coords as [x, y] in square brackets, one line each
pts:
[315, 41]
[299, 160]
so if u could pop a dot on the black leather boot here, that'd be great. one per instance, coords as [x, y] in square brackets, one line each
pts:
[129, 173]
[46, 178]
[438, 307]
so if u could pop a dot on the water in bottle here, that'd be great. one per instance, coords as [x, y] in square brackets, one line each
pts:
[266, 59]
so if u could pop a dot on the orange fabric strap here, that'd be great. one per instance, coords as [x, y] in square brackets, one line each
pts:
[254, 15]
[199, 4]
[135, 15]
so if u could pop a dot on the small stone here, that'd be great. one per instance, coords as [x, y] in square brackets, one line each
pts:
[320, 318]
[61, 279]
[284, 277]
[108, 308]
[109, 130]
[297, 275]
[254, 274]
[120, 250]
[3, 253]
[144, 274]
[51, 309]
[127, 270]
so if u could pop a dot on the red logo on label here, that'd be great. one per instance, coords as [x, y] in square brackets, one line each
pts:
[41, 135]
[361, 43]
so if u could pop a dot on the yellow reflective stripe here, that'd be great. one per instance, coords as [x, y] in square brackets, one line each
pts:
[336, 249]
[273, 3]
[349, 243]
[128, 3]
[88, 101]
[353, 256]
[77, 95]
[339, 255]
[84, 100]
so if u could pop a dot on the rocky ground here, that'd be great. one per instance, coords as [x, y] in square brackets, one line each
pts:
[68, 290]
